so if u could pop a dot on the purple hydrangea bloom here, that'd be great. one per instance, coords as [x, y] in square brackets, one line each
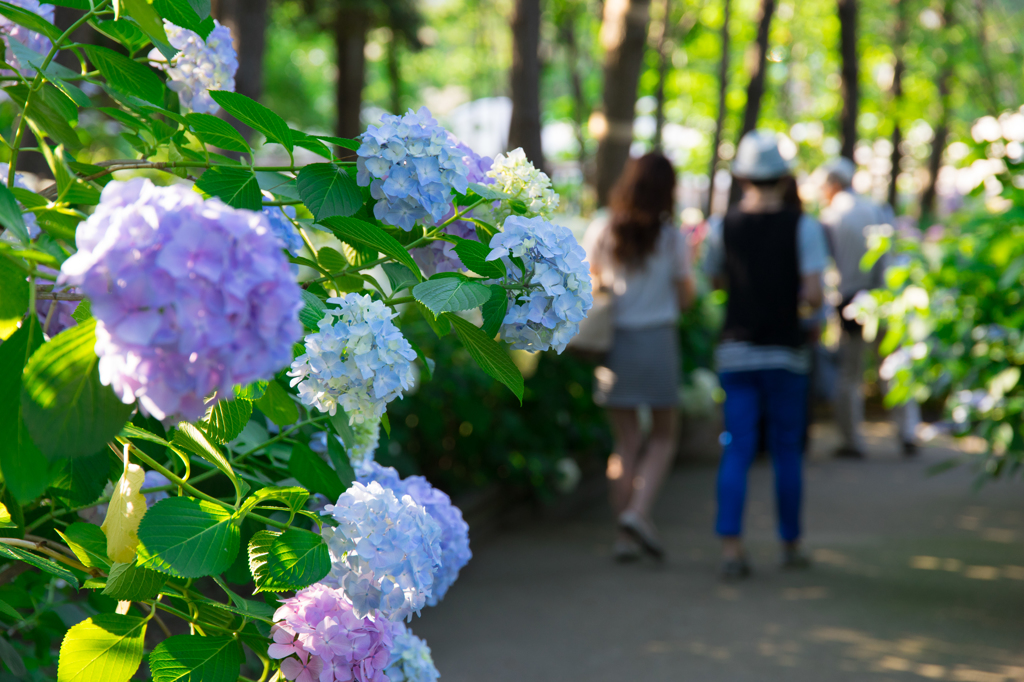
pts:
[455, 551]
[548, 314]
[200, 66]
[321, 639]
[410, 658]
[284, 229]
[36, 42]
[191, 296]
[384, 551]
[411, 166]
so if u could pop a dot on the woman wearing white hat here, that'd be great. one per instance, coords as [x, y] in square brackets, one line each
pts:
[769, 256]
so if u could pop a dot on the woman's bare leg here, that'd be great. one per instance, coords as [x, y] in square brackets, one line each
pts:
[653, 467]
[622, 463]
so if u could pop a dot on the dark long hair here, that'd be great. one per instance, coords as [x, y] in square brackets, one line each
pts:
[641, 202]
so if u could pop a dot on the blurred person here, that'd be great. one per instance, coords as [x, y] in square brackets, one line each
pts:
[643, 260]
[769, 256]
[847, 218]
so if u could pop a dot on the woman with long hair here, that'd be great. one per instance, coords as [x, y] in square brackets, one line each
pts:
[642, 259]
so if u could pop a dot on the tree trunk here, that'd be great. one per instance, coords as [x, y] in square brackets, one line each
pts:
[896, 100]
[524, 129]
[624, 37]
[662, 46]
[567, 33]
[942, 127]
[395, 73]
[850, 70]
[723, 90]
[989, 86]
[247, 20]
[755, 90]
[350, 26]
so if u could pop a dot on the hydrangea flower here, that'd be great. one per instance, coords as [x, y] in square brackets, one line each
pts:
[36, 42]
[384, 551]
[517, 177]
[358, 359]
[411, 166]
[199, 66]
[548, 314]
[454, 530]
[410, 658]
[320, 638]
[191, 296]
[284, 229]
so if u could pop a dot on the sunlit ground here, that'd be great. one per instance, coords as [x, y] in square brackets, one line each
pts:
[916, 577]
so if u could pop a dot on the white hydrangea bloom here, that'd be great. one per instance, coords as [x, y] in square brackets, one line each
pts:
[200, 66]
[515, 176]
[358, 359]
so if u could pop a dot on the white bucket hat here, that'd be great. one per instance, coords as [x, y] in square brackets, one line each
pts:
[758, 157]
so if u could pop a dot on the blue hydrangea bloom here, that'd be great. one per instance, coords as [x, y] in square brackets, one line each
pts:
[410, 658]
[190, 296]
[455, 551]
[548, 314]
[384, 551]
[411, 166]
[200, 66]
[284, 229]
[358, 359]
[36, 42]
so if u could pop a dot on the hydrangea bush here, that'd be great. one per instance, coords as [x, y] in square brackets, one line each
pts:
[193, 388]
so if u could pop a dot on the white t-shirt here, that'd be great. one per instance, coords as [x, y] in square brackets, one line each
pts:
[644, 296]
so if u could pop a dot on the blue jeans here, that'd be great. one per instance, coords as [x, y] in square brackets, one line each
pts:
[781, 396]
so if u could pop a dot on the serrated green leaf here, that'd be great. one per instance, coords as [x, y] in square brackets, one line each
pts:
[439, 325]
[253, 391]
[67, 411]
[225, 420]
[191, 658]
[327, 190]
[473, 255]
[331, 260]
[187, 14]
[132, 431]
[88, 543]
[143, 13]
[256, 116]
[488, 354]
[191, 438]
[343, 142]
[125, 75]
[494, 311]
[29, 20]
[236, 187]
[340, 423]
[449, 294]
[312, 311]
[104, 648]
[128, 582]
[292, 497]
[217, 132]
[11, 219]
[187, 538]
[12, 658]
[399, 276]
[278, 405]
[124, 32]
[79, 481]
[314, 473]
[51, 567]
[48, 113]
[242, 607]
[362, 232]
[287, 561]
[26, 472]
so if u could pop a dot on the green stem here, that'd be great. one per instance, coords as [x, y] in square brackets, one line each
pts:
[399, 300]
[153, 464]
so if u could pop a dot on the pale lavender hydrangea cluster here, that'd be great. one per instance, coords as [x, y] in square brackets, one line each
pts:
[558, 280]
[410, 658]
[191, 296]
[320, 638]
[358, 359]
[284, 229]
[411, 166]
[384, 551]
[199, 66]
[36, 42]
[455, 551]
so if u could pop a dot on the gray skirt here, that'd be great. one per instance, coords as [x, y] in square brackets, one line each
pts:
[642, 368]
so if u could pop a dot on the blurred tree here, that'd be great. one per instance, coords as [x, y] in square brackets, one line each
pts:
[896, 100]
[850, 72]
[524, 129]
[662, 47]
[624, 38]
[247, 20]
[566, 15]
[941, 129]
[723, 90]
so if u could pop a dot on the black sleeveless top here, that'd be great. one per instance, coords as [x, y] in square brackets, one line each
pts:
[763, 270]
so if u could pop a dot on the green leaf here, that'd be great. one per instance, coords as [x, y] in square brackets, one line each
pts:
[201, 8]
[242, 607]
[8, 610]
[253, 391]
[488, 354]
[278, 405]
[312, 310]
[126, 75]
[362, 232]
[11, 219]
[340, 423]
[29, 20]
[88, 543]
[439, 325]
[124, 32]
[473, 255]
[342, 464]
[399, 276]
[343, 142]
[51, 567]
[256, 116]
[328, 191]
[331, 260]
[386, 424]
[448, 294]
[143, 13]
[79, 481]
[191, 658]
[187, 14]
[104, 648]
[217, 132]
[487, 192]
[194, 440]
[278, 183]
[494, 311]
[314, 473]
[187, 538]
[48, 111]
[128, 582]
[287, 561]
[26, 472]
[293, 497]
[225, 420]
[12, 659]
[132, 431]
[67, 411]
[237, 187]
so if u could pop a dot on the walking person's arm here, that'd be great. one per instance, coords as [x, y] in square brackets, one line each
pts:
[812, 253]
[686, 287]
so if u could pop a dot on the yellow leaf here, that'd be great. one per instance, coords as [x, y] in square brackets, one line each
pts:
[124, 513]
[5, 516]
